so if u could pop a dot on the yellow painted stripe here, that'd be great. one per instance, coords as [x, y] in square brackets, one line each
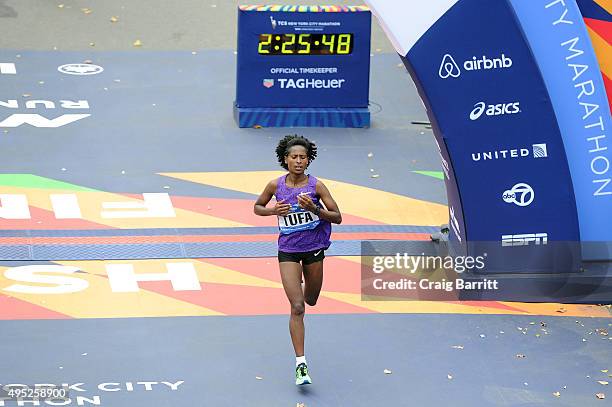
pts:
[555, 309]
[370, 203]
[207, 272]
[91, 208]
[605, 4]
[603, 50]
[98, 301]
[211, 273]
[440, 307]
[411, 307]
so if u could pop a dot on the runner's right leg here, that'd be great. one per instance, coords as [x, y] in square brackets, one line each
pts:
[291, 276]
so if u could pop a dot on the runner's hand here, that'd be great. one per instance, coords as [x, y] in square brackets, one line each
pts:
[281, 209]
[306, 203]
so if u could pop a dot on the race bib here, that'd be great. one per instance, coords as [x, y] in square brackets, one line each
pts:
[297, 220]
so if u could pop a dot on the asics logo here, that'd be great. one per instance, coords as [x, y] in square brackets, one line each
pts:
[521, 195]
[494, 110]
[449, 68]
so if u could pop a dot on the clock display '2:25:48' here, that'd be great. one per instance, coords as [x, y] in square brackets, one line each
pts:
[305, 44]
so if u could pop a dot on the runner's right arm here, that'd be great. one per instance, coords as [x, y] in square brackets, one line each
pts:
[279, 208]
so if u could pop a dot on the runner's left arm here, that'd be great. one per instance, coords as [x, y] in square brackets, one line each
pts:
[330, 212]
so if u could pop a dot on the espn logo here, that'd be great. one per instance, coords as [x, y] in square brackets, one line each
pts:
[525, 239]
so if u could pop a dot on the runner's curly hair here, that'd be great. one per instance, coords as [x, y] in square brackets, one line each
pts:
[282, 150]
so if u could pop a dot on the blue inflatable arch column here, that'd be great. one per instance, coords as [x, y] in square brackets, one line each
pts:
[522, 120]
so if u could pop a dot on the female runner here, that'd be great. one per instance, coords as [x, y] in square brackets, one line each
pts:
[305, 228]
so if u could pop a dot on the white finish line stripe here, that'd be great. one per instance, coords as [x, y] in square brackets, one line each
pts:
[7, 68]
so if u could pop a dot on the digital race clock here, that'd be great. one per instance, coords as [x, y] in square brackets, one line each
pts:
[303, 66]
[305, 44]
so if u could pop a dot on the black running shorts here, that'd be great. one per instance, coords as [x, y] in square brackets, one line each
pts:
[305, 257]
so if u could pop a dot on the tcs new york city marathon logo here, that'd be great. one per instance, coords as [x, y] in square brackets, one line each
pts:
[80, 69]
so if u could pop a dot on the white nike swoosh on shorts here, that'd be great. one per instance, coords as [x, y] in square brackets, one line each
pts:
[317, 253]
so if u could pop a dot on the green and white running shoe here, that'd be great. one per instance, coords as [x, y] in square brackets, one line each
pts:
[301, 375]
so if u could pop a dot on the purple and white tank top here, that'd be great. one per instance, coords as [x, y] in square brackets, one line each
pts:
[301, 230]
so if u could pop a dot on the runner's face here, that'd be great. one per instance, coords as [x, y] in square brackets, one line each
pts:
[297, 160]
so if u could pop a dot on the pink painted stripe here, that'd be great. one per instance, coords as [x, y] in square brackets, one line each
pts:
[15, 309]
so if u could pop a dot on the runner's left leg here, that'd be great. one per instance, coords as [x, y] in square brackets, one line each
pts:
[313, 281]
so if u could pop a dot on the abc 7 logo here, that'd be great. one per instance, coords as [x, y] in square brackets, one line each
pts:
[521, 194]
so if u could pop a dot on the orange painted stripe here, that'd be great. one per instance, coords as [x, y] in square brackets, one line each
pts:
[245, 300]
[608, 86]
[339, 275]
[605, 4]
[97, 240]
[490, 304]
[344, 276]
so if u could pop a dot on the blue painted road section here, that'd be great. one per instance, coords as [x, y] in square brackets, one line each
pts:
[499, 365]
[159, 112]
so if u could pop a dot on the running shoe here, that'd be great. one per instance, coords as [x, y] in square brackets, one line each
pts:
[301, 375]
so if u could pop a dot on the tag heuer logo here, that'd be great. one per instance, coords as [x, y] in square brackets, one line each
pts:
[268, 83]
